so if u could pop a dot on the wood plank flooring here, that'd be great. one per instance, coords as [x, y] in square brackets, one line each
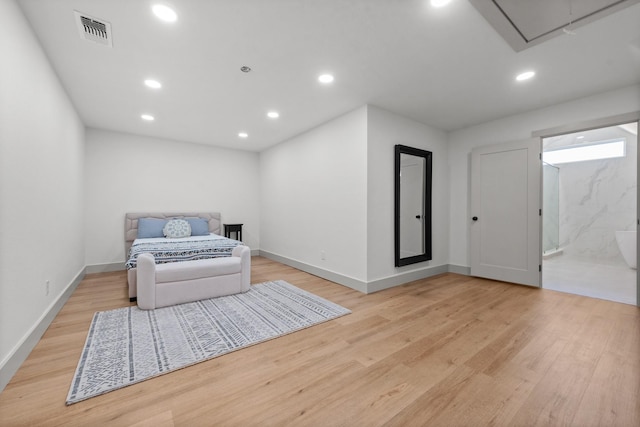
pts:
[445, 351]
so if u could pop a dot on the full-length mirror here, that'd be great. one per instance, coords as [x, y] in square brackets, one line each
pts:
[412, 205]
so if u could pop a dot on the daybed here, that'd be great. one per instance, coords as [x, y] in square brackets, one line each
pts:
[161, 285]
[209, 244]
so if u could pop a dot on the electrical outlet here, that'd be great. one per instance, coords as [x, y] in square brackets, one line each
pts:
[322, 255]
[47, 287]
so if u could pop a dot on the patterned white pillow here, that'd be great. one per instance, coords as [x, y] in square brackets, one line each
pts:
[177, 228]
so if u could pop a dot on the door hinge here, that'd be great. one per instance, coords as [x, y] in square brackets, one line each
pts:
[540, 268]
[540, 212]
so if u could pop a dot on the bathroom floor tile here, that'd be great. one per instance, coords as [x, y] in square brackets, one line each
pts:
[588, 277]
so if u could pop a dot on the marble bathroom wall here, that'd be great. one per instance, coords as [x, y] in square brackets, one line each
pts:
[596, 197]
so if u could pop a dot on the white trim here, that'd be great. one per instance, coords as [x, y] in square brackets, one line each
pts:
[341, 279]
[21, 351]
[586, 125]
[368, 287]
[460, 269]
[402, 278]
[105, 268]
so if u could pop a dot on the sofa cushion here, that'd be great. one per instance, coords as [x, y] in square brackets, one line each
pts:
[189, 270]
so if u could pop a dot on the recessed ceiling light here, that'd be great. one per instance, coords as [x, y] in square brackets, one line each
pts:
[273, 114]
[153, 83]
[439, 3]
[243, 135]
[525, 76]
[164, 13]
[325, 78]
[148, 117]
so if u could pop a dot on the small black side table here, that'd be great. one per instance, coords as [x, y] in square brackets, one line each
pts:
[233, 228]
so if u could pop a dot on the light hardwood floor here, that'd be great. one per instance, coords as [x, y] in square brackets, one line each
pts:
[446, 351]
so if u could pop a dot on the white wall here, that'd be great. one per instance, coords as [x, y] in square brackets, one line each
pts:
[313, 197]
[514, 128]
[129, 173]
[331, 189]
[385, 130]
[41, 174]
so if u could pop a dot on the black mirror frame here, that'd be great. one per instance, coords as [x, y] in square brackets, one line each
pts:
[427, 155]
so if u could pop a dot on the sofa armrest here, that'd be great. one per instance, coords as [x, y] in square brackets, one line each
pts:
[244, 252]
[146, 278]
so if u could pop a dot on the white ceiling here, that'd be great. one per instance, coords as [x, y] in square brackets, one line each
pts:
[445, 67]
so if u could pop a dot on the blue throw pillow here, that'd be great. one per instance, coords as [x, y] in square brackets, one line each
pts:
[199, 226]
[151, 227]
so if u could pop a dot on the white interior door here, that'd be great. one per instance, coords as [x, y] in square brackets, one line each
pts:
[505, 212]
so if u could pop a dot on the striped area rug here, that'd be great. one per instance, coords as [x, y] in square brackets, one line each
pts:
[128, 345]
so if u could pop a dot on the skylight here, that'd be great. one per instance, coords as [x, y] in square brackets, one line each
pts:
[579, 153]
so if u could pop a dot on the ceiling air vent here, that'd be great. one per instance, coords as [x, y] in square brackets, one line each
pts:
[94, 29]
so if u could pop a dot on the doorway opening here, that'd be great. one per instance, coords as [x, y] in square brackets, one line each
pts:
[590, 187]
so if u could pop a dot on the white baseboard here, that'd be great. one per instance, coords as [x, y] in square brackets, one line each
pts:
[105, 268]
[373, 286]
[406, 277]
[460, 269]
[347, 281]
[12, 363]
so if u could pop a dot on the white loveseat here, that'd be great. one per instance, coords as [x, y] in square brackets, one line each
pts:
[173, 283]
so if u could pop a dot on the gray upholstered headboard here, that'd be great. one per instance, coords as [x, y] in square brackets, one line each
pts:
[131, 223]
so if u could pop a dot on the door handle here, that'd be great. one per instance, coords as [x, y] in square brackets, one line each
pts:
[417, 216]
[475, 218]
